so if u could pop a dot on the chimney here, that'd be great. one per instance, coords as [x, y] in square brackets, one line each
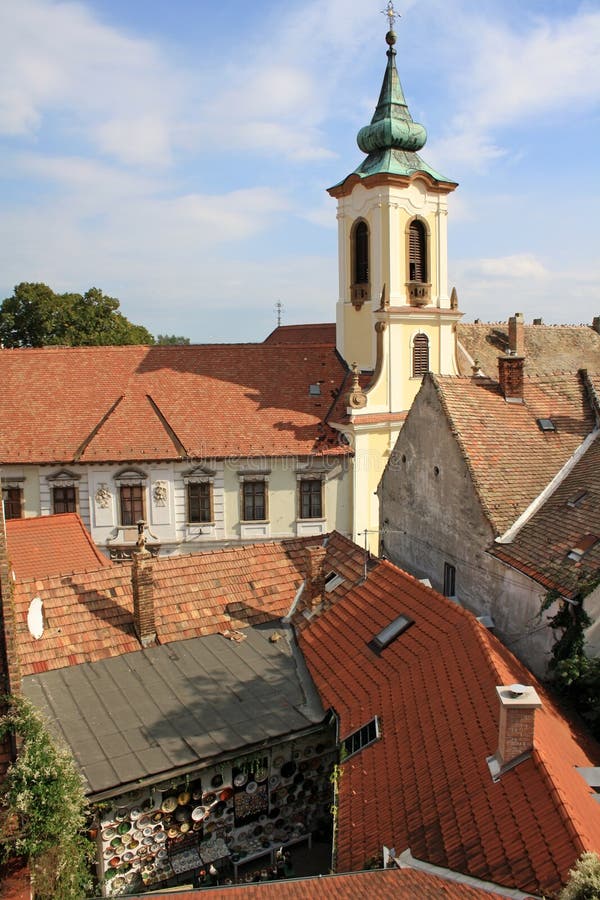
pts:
[596, 324]
[510, 377]
[518, 703]
[142, 582]
[516, 334]
[315, 577]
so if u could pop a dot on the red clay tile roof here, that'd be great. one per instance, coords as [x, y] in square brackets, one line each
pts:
[318, 333]
[540, 548]
[510, 458]
[404, 884]
[89, 615]
[51, 545]
[124, 403]
[426, 785]
[548, 348]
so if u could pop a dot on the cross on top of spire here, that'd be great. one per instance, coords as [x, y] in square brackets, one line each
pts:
[391, 14]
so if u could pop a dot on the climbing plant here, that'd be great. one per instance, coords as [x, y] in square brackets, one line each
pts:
[574, 675]
[43, 808]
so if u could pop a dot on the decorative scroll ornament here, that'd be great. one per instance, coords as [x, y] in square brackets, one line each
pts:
[357, 398]
[102, 496]
[159, 492]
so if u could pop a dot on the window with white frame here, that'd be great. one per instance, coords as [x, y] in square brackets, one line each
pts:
[131, 484]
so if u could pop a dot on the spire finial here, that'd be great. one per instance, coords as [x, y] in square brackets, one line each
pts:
[391, 14]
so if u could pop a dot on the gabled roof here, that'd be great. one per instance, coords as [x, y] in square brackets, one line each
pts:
[314, 333]
[51, 545]
[167, 402]
[425, 784]
[511, 459]
[548, 348]
[89, 615]
[542, 546]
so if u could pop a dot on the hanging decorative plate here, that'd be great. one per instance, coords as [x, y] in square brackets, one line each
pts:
[148, 831]
[251, 787]
[135, 813]
[226, 794]
[121, 813]
[184, 798]
[137, 834]
[198, 813]
[114, 861]
[308, 751]
[217, 780]
[108, 833]
[278, 762]
[288, 769]
[169, 804]
[147, 842]
[274, 781]
[160, 837]
[296, 754]
[123, 828]
[162, 854]
[172, 832]
[261, 775]
[115, 842]
[157, 816]
[184, 827]
[109, 852]
[240, 779]
[128, 856]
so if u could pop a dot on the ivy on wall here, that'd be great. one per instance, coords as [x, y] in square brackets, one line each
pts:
[43, 808]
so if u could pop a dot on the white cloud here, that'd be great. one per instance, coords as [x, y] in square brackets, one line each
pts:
[507, 268]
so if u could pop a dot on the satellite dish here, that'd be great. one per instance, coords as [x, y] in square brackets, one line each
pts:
[35, 618]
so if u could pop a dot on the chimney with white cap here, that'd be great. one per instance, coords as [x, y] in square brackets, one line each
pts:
[518, 703]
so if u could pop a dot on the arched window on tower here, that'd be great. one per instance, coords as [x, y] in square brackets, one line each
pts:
[420, 355]
[417, 252]
[360, 264]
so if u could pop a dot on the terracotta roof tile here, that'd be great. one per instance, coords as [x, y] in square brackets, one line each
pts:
[541, 547]
[510, 458]
[89, 615]
[124, 403]
[404, 884]
[434, 691]
[51, 545]
[548, 348]
[316, 333]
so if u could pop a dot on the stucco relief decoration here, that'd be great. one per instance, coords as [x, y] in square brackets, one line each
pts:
[159, 492]
[102, 496]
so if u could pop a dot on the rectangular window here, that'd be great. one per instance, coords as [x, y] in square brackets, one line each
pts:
[64, 499]
[311, 502]
[254, 497]
[449, 580]
[360, 739]
[13, 502]
[132, 503]
[199, 502]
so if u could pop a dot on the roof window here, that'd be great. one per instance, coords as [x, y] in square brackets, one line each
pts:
[390, 633]
[591, 776]
[332, 581]
[361, 738]
[314, 390]
[577, 500]
[546, 425]
[584, 545]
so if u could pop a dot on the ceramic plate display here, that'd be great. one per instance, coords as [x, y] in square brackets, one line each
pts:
[209, 798]
[240, 779]
[274, 781]
[226, 794]
[261, 775]
[160, 837]
[135, 813]
[108, 833]
[184, 798]
[198, 813]
[184, 827]
[251, 787]
[162, 854]
[216, 780]
[169, 804]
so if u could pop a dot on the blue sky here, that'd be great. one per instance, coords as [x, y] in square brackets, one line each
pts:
[175, 153]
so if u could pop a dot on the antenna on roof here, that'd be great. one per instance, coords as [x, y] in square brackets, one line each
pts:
[279, 311]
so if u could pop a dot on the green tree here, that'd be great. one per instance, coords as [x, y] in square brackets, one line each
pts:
[36, 317]
[43, 808]
[584, 879]
[171, 339]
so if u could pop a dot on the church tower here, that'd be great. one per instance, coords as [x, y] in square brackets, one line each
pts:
[395, 317]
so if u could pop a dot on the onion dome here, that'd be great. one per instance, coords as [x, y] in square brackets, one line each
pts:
[392, 127]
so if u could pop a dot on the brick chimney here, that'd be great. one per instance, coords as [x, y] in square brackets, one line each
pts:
[314, 588]
[516, 334]
[596, 324]
[518, 704]
[510, 377]
[142, 582]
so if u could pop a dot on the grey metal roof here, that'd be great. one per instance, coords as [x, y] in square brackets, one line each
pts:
[146, 713]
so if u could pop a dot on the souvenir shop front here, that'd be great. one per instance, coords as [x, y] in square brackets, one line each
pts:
[226, 815]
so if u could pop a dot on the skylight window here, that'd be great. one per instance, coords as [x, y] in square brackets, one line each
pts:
[390, 633]
[584, 545]
[546, 425]
[314, 390]
[361, 738]
[578, 499]
[332, 581]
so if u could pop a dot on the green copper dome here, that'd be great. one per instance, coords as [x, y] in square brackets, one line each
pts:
[392, 139]
[392, 126]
